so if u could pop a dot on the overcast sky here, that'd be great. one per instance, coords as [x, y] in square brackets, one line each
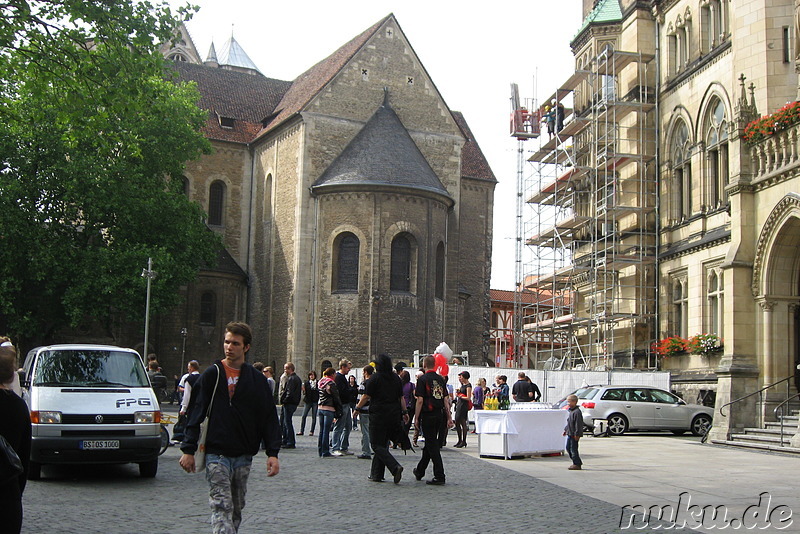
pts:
[472, 54]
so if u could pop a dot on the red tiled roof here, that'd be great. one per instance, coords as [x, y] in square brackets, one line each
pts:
[473, 162]
[311, 82]
[247, 98]
[502, 295]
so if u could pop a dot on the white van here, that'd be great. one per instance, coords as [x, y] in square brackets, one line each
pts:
[91, 404]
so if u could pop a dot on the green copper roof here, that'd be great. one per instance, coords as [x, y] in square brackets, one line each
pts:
[604, 11]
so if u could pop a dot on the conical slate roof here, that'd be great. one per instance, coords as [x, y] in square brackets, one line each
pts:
[212, 54]
[381, 155]
[232, 54]
[605, 11]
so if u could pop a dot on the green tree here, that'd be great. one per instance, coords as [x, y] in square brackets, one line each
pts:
[94, 135]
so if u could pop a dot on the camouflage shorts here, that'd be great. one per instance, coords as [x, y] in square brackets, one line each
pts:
[227, 480]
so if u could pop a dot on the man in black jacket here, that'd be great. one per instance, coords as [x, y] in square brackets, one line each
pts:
[340, 442]
[290, 399]
[242, 415]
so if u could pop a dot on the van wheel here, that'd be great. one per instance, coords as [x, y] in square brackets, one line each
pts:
[34, 470]
[148, 469]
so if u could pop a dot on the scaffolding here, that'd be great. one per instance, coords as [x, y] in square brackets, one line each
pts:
[592, 232]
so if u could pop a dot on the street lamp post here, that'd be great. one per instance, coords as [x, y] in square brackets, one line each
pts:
[184, 334]
[148, 273]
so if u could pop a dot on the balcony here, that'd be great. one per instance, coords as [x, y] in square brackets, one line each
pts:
[776, 154]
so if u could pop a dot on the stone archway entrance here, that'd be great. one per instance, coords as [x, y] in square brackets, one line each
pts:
[778, 294]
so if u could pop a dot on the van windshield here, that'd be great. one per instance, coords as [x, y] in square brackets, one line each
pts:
[95, 368]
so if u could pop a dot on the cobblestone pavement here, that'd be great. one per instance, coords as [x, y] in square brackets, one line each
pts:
[314, 495]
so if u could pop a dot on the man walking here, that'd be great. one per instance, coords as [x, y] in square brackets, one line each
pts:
[242, 415]
[341, 429]
[290, 400]
[187, 382]
[433, 406]
[522, 390]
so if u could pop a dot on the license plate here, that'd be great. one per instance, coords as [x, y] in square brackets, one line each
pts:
[92, 444]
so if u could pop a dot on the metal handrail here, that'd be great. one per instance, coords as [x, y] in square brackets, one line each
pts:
[780, 407]
[757, 392]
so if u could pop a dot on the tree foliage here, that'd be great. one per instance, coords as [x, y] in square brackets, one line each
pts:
[94, 136]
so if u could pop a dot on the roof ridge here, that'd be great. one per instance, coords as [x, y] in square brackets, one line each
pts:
[311, 82]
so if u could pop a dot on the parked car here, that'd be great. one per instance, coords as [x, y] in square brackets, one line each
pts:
[642, 408]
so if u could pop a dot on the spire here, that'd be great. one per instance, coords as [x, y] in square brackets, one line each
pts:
[234, 57]
[211, 59]
[746, 112]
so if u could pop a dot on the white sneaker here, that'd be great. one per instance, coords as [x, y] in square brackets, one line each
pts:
[337, 453]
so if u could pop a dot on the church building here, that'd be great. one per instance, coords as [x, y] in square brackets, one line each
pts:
[354, 205]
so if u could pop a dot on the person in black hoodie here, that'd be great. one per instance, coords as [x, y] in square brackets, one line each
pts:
[242, 415]
[15, 427]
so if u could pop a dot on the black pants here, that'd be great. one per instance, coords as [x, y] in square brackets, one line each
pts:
[11, 521]
[431, 424]
[381, 427]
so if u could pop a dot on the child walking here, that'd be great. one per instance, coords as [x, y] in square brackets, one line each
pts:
[574, 431]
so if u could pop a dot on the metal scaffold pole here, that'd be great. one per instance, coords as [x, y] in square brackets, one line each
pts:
[519, 273]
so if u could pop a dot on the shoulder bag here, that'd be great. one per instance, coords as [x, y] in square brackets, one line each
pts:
[200, 454]
[10, 464]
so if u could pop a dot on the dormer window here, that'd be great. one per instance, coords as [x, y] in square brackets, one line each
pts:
[226, 122]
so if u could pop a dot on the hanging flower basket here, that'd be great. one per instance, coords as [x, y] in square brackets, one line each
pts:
[704, 344]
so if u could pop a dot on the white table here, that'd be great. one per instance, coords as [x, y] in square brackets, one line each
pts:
[510, 433]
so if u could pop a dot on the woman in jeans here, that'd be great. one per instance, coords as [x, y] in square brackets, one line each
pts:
[330, 408]
[310, 398]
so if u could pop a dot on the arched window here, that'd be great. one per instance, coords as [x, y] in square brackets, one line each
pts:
[346, 254]
[268, 198]
[715, 294]
[716, 154]
[185, 184]
[713, 23]
[400, 277]
[208, 308]
[216, 203]
[673, 63]
[440, 271]
[681, 193]
[680, 308]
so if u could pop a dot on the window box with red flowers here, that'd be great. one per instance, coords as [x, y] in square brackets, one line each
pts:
[670, 346]
[762, 128]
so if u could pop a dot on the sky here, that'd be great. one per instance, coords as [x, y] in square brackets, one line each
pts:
[471, 54]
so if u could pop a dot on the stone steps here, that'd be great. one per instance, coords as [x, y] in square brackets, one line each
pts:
[769, 438]
[756, 445]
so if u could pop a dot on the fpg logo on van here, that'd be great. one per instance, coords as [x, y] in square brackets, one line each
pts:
[128, 402]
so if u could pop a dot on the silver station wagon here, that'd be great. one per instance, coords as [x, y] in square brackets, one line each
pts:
[642, 408]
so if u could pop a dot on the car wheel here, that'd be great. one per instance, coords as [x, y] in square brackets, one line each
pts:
[34, 471]
[700, 425]
[678, 432]
[148, 469]
[617, 424]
